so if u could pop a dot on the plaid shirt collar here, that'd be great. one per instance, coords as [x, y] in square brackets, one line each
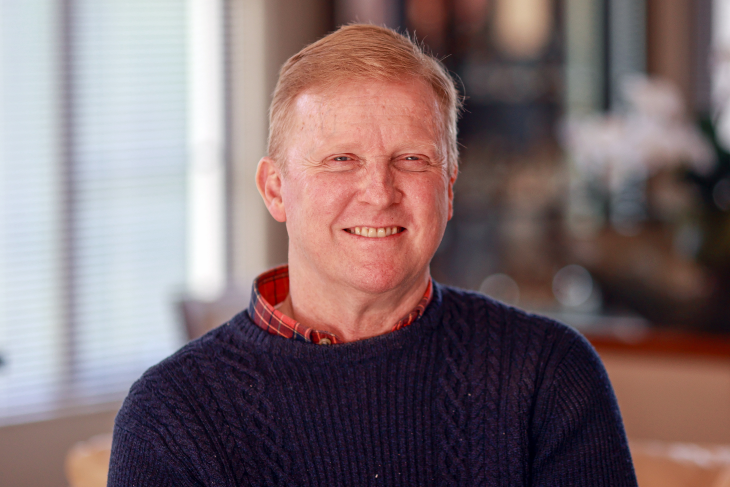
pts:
[272, 287]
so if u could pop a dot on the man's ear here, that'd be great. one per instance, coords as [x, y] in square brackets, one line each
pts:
[268, 181]
[452, 180]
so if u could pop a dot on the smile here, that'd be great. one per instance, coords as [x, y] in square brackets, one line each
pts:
[372, 232]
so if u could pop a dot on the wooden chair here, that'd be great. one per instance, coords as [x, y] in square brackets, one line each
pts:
[199, 317]
[87, 462]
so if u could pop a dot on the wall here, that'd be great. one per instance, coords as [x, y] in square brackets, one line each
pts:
[672, 397]
[33, 454]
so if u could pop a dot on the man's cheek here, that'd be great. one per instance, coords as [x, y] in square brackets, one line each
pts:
[329, 192]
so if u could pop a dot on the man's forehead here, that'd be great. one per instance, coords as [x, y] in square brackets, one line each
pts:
[359, 101]
[365, 92]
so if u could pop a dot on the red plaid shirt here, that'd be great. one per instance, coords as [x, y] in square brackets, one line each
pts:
[272, 287]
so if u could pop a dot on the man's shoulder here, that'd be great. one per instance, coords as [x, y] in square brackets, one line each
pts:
[503, 324]
[515, 343]
[205, 347]
[467, 302]
[189, 374]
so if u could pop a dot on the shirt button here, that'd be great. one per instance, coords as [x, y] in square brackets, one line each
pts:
[325, 341]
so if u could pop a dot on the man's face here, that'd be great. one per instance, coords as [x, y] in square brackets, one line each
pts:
[367, 158]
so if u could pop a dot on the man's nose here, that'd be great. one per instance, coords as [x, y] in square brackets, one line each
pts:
[379, 185]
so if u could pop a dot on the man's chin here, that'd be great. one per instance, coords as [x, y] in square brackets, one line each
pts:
[378, 280]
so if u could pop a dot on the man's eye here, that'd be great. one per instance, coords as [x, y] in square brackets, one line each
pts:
[411, 163]
[341, 163]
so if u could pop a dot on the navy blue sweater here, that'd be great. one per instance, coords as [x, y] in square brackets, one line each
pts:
[473, 393]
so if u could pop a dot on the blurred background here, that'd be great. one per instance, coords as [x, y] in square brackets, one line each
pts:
[594, 187]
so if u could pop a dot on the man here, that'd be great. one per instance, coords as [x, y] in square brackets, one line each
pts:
[351, 366]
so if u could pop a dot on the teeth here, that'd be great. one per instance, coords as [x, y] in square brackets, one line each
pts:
[374, 232]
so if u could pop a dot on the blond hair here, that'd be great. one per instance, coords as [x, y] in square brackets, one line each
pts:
[361, 52]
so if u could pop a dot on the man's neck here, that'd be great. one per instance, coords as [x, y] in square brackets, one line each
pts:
[350, 314]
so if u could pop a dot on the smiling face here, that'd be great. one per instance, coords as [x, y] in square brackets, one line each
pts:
[366, 192]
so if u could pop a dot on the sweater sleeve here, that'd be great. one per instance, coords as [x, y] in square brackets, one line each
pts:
[578, 435]
[135, 461]
[150, 446]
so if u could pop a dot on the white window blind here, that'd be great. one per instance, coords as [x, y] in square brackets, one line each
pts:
[30, 247]
[128, 144]
[93, 196]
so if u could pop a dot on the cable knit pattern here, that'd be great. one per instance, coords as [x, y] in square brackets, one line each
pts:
[473, 393]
